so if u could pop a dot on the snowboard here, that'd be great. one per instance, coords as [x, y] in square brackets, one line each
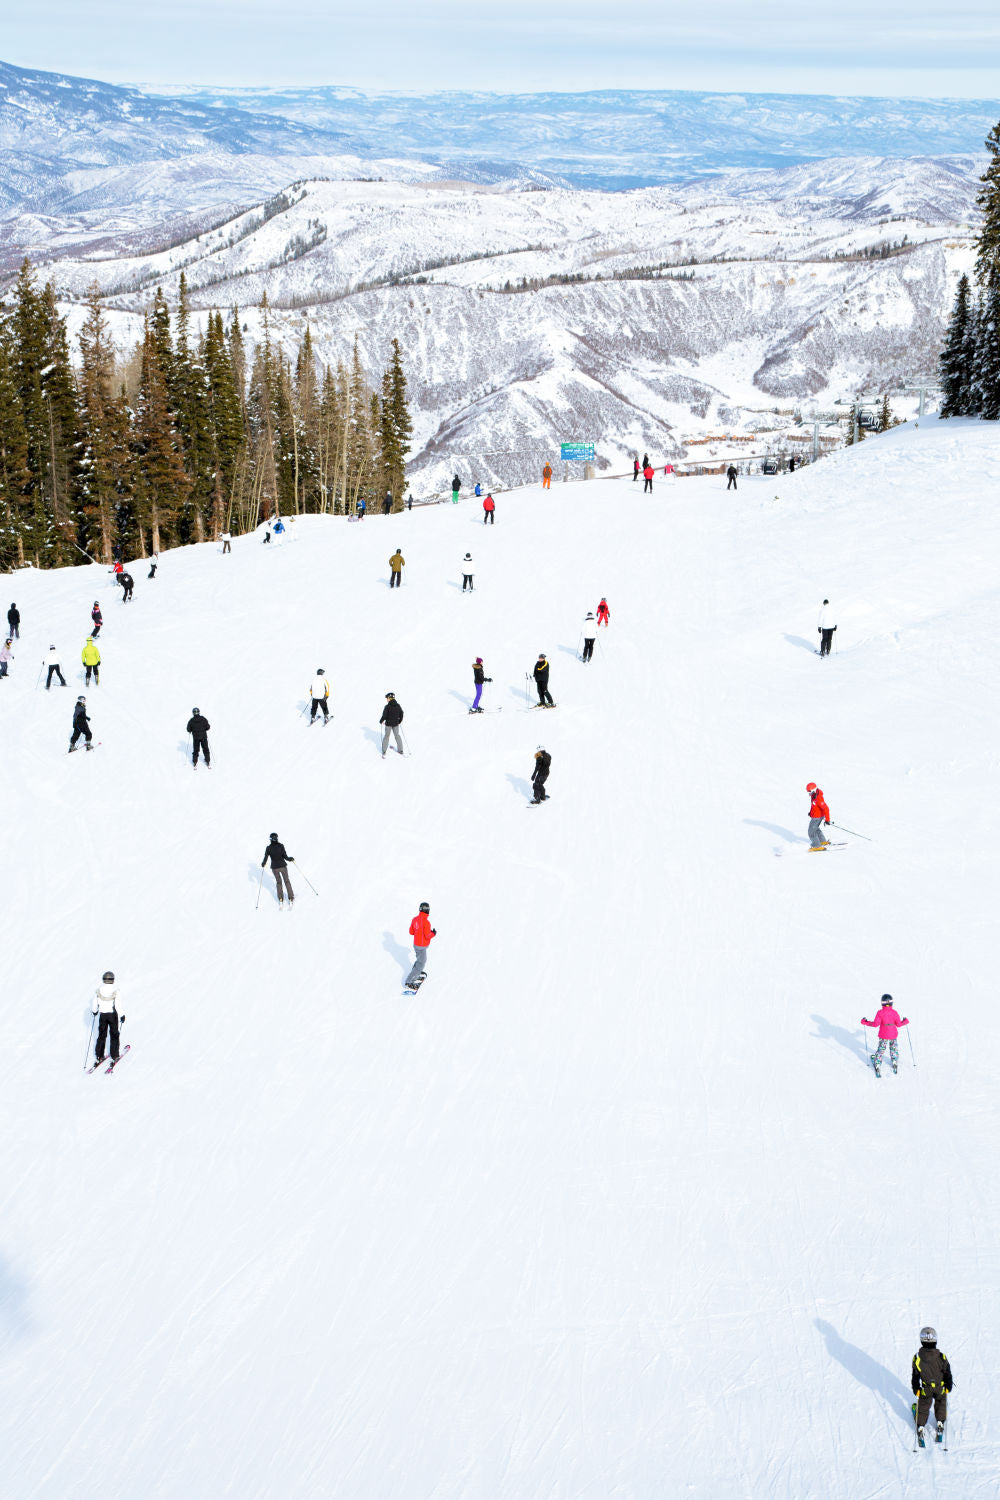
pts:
[411, 989]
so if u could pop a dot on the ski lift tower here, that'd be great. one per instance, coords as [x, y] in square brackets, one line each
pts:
[815, 419]
[925, 385]
[859, 403]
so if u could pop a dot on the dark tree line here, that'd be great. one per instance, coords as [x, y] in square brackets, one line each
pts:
[970, 360]
[187, 437]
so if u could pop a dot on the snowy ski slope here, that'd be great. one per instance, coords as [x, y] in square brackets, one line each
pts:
[614, 1207]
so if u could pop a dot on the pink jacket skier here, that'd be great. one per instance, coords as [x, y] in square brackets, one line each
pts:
[888, 1022]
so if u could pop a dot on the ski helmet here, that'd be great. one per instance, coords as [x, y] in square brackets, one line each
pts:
[886, 999]
[928, 1336]
[96, 603]
[826, 601]
[812, 787]
[390, 695]
[196, 710]
[53, 646]
[320, 671]
[274, 838]
[107, 977]
[425, 907]
[81, 699]
[468, 557]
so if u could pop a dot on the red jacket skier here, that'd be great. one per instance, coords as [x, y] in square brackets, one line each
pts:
[603, 613]
[819, 814]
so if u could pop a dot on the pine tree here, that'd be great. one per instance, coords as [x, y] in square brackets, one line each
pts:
[395, 428]
[956, 369]
[988, 200]
[885, 416]
[15, 476]
[98, 484]
[165, 485]
[987, 370]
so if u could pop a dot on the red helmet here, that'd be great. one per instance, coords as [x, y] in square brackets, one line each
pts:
[812, 787]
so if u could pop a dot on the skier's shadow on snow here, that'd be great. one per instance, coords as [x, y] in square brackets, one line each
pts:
[14, 1320]
[522, 787]
[783, 833]
[827, 1032]
[796, 640]
[403, 956]
[374, 736]
[868, 1371]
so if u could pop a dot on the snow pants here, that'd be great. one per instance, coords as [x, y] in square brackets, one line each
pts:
[546, 483]
[200, 742]
[488, 517]
[466, 581]
[825, 642]
[588, 647]
[58, 671]
[544, 696]
[879, 1053]
[396, 578]
[647, 484]
[538, 784]
[226, 548]
[96, 669]
[280, 873]
[479, 694]
[419, 967]
[816, 835]
[317, 704]
[76, 735]
[924, 1407]
[732, 482]
[107, 1024]
[391, 729]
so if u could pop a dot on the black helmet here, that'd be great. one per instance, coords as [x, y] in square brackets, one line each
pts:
[107, 977]
[320, 671]
[196, 710]
[390, 695]
[274, 838]
[81, 699]
[425, 906]
[886, 999]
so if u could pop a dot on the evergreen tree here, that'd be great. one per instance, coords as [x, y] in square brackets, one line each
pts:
[395, 428]
[165, 485]
[956, 367]
[15, 476]
[988, 200]
[98, 483]
[987, 365]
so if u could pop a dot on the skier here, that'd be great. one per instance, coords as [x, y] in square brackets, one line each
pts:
[397, 563]
[52, 662]
[279, 527]
[731, 476]
[119, 569]
[421, 932]
[888, 1022]
[478, 677]
[819, 814]
[409, 501]
[547, 477]
[360, 508]
[392, 717]
[6, 656]
[489, 509]
[319, 690]
[106, 1006]
[456, 485]
[387, 503]
[153, 564]
[645, 460]
[791, 464]
[930, 1380]
[478, 490]
[267, 531]
[275, 852]
[127, 587]
[227, 542]
[603, 613]
[91, 658]
[589, 636]
[98, 619]
[647, 475]
[467, 572]
[198, 727]
[541, 676]
[540, 774]
[635, 470]
[827, 625]
[14, 623]
[81, 725]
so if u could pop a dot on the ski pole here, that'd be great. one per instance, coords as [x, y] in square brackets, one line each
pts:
[402, 735]
[38, 679]
[259, 885]
[308, 882]
[527, 679]
[910, 1040]
[90, 1042]
[852, 833]
[305, 708]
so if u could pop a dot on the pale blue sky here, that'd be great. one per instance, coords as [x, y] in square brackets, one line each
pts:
[853, 46]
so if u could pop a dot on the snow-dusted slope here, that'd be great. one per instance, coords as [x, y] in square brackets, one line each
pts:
[614, 1206]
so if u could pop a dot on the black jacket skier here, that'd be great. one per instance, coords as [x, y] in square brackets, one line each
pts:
[392, 714]
[930, 1380]
[541, 676]
[280, 860]
[14, 622]
[81, 724]
[198, 727]
[540, 774]
[128, 585]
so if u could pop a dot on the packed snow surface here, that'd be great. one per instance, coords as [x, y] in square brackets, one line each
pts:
[614, 1206]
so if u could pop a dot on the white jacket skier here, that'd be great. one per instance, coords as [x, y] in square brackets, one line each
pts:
[467, 566]
[319, 688]
[106, 999]
[589, 628]
[106, 1006]
[827, 617]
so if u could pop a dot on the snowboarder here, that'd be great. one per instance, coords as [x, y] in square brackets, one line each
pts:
[127, 587]
[275, 852]
[397, 563]
[81, 725]
[888, 1022]
[98, 619]
[478, 677]
[589, 636]
[392, 717]
[930, 1380]
[154, 563]
[731, 476]
[603, 613]
[14, 623]
[819, 815]
[319, 691]
[456, 485]
[227, 542]
[198, 727]
[106, 1006]
[541, 676]
[467, 572]
[647, 475]
[52, 662]
[6, 656]
[387, 503]
[547, 477]
[540, 774]
[91, 658]
[489, 509]
[827, 625]
[636, 469]
[421, 932]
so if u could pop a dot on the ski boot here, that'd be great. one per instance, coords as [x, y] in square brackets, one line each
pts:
[939, 1435]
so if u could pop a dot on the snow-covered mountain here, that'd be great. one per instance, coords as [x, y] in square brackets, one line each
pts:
[615, 1206]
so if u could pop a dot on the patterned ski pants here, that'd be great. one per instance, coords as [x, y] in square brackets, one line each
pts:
[893, 1052]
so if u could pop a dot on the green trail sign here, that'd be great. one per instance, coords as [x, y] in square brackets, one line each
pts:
[569, 451]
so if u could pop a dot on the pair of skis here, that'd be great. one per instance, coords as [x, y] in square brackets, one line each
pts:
[114, 1061]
